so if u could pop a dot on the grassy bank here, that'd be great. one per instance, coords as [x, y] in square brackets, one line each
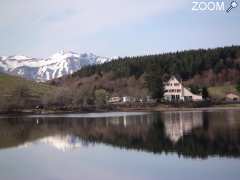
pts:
[220, 92]
[17, 93]
[8, 84]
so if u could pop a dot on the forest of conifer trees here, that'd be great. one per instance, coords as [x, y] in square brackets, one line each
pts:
[185, 64]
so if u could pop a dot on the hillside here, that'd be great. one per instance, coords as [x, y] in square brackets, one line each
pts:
[126, 76]
[219, 92]
[16, 92]
[9, 83]
[187, 64]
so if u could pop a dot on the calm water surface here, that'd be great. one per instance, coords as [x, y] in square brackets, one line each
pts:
[142, 146]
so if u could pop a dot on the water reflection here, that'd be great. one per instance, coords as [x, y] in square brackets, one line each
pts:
[61, 142]
[189, 134]
[177, 124]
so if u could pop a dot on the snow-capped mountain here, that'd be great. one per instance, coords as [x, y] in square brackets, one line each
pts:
[57, 65]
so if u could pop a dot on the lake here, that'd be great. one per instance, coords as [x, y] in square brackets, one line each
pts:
[199, 145]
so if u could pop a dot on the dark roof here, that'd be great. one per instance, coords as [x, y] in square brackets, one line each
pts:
[177, 77]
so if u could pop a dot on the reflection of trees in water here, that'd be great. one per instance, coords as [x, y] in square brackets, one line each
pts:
[191, 134]
[215, 133]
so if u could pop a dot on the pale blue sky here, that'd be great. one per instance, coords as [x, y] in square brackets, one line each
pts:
[112, 27]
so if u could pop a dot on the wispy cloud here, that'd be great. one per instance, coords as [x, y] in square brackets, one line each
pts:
[99, 12]
[51, 22]
[45, 25]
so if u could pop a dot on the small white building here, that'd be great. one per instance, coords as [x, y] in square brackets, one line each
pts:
[175, 91]
[126, 99]
[115, 99]
[123, 99]
[232, 97]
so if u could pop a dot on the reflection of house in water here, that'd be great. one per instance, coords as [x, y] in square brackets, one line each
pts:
[178, 124]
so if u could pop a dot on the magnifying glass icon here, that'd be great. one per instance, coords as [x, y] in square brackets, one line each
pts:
[233, 5]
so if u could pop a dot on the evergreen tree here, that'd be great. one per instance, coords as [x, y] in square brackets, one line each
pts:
[195, 89]
[238, 86]
[155, 83]
[101, 97]
[205, 93]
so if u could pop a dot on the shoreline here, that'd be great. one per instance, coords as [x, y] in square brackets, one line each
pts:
[157, 108]
[180, 109]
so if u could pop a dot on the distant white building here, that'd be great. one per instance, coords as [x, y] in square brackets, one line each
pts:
[126, 99]
[115, 99]
[122, 99]
[232, 97]
[175, 91]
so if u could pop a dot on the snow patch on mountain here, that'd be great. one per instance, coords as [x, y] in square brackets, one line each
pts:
[3, 58]
[19, 57]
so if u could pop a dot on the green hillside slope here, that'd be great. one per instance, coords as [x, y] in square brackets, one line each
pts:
[8, 85]
[17, 93]
[220, 92]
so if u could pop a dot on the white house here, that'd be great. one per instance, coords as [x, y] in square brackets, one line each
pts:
[175, 91]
